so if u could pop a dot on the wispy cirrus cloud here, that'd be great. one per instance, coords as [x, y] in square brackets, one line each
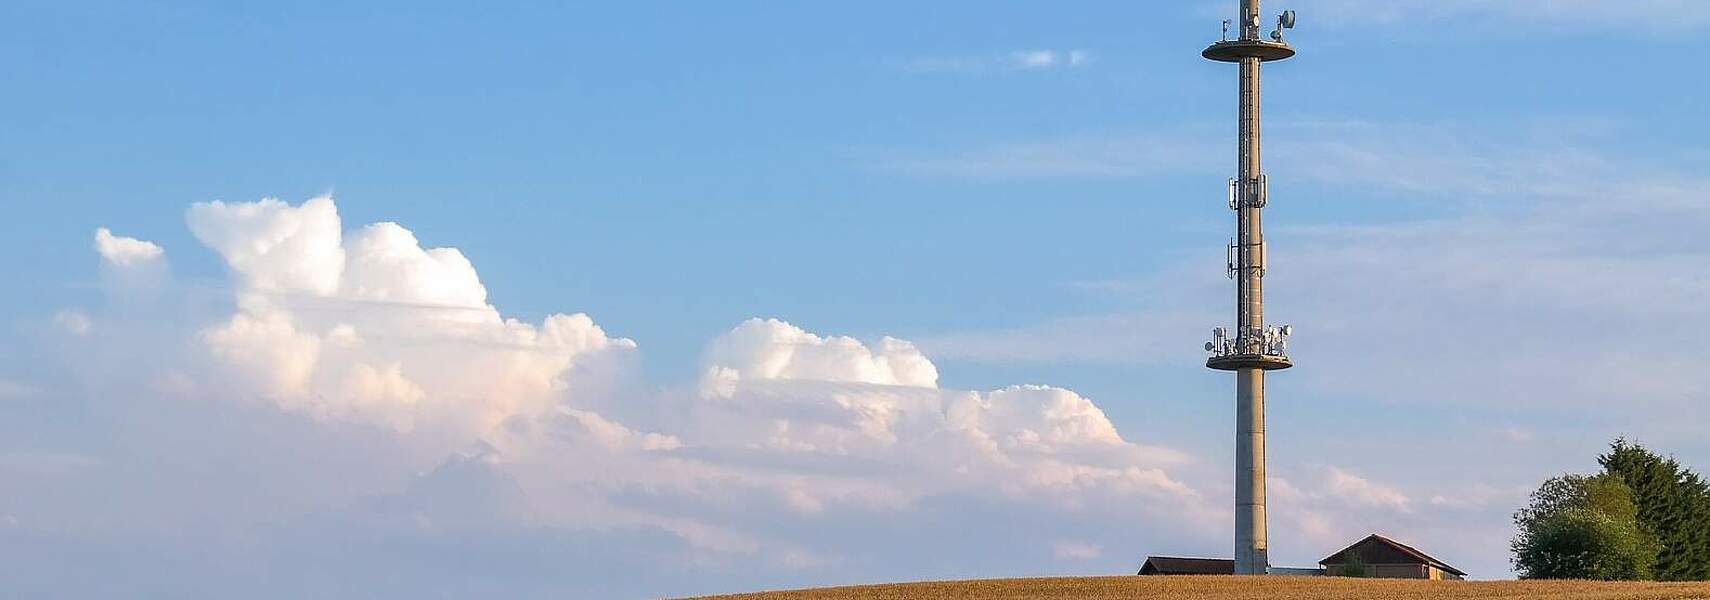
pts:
[14, 390]
[73, 321]
[1362, 491]
[1103, 155]
[1068, 550]
[1322, 508]
[1531, 229]
[1538, 245]
[1152, 337]
[1565, 157]
[1029, 59]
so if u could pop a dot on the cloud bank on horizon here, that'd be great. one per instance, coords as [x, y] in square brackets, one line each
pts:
[357, 385]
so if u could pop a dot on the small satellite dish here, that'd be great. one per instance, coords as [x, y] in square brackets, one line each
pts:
[1208, 346]
[1287, 20]
[1288, 330]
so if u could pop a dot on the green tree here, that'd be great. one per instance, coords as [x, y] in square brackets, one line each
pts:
[1579, 527]
[1673, 503]
[1353, 565]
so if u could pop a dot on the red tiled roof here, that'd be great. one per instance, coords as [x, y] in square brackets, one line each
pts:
[1405, 549]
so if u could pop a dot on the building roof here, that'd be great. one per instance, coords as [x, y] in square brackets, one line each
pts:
[1377, 549]
[1175, 565]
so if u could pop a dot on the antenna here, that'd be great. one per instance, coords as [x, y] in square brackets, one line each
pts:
[1231, 259]
[1284, 21]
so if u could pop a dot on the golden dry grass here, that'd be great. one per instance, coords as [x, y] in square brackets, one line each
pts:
[1245, 588]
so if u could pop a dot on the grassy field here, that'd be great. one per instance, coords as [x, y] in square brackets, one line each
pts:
[1244, 588]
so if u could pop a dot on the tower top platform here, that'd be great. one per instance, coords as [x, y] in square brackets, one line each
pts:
[1231, 51]
[1236, 362]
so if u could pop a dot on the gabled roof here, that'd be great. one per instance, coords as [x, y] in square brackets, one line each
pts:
[1175, 565]
[1404, 549]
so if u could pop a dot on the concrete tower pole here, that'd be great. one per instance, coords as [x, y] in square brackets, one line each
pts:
[1255, 348]
[1251, 548]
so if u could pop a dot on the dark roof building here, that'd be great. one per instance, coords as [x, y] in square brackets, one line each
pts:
[1173, 565]
[1381, 557]
[1384, 557]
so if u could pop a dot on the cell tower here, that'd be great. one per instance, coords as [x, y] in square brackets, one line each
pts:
[1254, 348]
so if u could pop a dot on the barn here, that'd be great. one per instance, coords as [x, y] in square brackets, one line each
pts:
[1384, 557]
[1175, 565]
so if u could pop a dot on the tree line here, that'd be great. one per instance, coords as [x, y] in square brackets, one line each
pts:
[1644, 517]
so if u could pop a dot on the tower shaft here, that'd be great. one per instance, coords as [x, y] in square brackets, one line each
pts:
[1254, 348]
[1252, 549]
[1251, 546]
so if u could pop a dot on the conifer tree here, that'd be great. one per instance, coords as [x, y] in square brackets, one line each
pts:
[1673, 503]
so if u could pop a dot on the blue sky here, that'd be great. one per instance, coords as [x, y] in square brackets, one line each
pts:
[1483, 221]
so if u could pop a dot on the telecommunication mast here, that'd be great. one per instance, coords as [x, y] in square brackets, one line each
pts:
[1252, 348]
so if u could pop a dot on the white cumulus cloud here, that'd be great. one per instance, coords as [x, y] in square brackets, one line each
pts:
[371, 327]
[769, 349]
[125, 251]
[773, 387]
[360, 389]
[376, 327]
